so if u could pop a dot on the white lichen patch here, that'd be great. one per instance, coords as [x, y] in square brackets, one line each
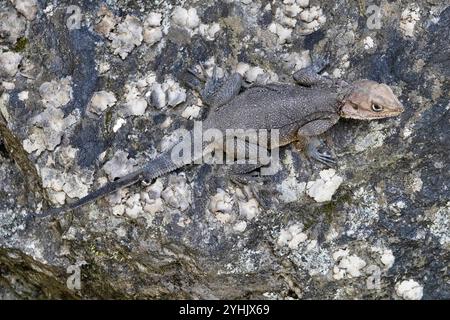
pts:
[62, 184]
[153, 19]
[347, 266]
[100, 101]
[119, 165]
[240, 226]
[152, 35]
[178, 193]
[360, 218]
[440, 226]
[135, 104]
[158, 96]
[289, 14]
[292, 236]
[118, 124]
[118, 210]
[152, 202]
[296, 60]
[50, 126]
[414, 182]
[191, 112]
[9, 64]
[23, 95]
[28, 8]
[169, 93]
[126, 36]
[133, 206]
[209, 31]
[153, 206]
[373, 139]
[291, 189]
[12, 25]
[242, 68]
[52, 178]
[409, 290]
[175, 94]
[284, 34]
[6, 85]
[107, 21]
[77, 186]
[386, 257]
[248, 209]
[255, 74]
[408, 20]
[221, 205]
[322, 189]
[56, 93]
[187, 18]
[368, 43]
[65, 155]
[313, 18]
[152, 28]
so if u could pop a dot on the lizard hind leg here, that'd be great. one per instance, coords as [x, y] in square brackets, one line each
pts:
[251, 185]
[243, 173]
[218, 92]
[310, 76]
[214, 90]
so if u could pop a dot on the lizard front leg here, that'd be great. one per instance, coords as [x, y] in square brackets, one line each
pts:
[308, 141]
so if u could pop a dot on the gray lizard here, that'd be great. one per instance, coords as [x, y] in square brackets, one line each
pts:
[300, 113]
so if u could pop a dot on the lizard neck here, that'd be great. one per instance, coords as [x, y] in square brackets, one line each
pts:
[342, 94]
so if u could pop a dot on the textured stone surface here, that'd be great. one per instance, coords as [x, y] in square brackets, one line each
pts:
[194, 233]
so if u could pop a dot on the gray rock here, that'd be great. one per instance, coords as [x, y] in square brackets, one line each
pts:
[194, 233]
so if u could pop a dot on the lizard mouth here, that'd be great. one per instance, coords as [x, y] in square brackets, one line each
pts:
[354, 112]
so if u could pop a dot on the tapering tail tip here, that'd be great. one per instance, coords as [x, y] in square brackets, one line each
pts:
[31, 217]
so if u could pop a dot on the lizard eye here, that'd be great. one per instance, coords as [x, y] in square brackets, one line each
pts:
[377, 107]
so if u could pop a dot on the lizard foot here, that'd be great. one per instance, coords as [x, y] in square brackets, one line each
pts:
[320, 63]
[216, 90]
[257, 191]
[311, 145]
[310, 75]
[322, 158]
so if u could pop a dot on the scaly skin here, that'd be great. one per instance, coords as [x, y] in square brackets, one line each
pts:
[300, 113]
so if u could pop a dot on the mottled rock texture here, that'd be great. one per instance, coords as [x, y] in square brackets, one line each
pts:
[194, 233]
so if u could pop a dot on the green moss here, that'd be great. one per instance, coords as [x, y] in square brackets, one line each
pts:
[20, 44]
[108, 125]
[15, 150]
[328, 209]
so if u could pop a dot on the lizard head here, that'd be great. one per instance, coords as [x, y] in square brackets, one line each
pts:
[369, 100]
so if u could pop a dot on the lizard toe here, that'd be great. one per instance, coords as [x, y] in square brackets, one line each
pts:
[325, 159]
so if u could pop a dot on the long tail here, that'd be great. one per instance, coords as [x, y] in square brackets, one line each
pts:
[159, 166]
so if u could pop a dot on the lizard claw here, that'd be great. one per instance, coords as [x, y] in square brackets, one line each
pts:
[198, 75]
[321, 62]
[255, 190]
[324, 158]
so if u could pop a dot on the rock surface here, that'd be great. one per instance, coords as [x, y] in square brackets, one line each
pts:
[90, 91]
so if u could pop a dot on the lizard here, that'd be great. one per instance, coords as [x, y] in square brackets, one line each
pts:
[300, 112]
